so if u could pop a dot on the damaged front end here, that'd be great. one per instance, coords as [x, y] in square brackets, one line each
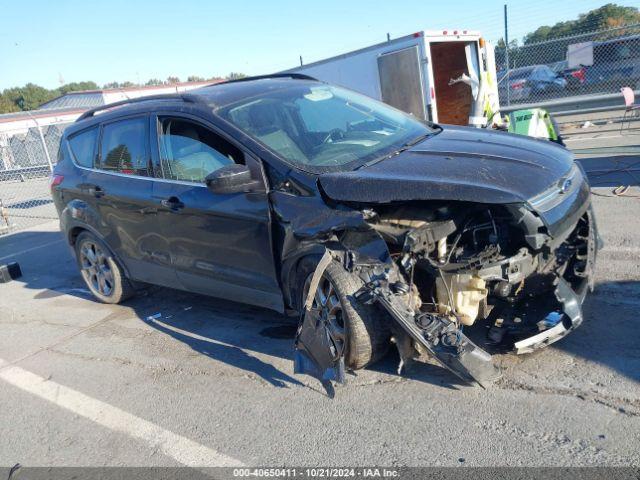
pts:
[459, 281]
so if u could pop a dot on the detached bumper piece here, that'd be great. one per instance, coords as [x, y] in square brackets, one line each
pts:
[10, 272]
[316, 352]
[570, 298]
[438, 335]
[571, 302]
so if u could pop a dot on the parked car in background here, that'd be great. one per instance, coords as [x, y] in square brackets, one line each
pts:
[529, 83]
[616, 63]
[575, 76]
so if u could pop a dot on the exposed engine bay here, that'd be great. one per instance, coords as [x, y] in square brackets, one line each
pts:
[462, 281]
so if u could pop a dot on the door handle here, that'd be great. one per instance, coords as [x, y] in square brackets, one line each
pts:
[172, 203]
[96, 191]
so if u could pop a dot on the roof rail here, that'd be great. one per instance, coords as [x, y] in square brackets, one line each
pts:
[293, 75]
[149, 98]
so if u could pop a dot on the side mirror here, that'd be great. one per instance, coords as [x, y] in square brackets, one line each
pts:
[231, 179]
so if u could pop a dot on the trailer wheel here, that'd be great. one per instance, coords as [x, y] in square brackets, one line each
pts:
[361, 327]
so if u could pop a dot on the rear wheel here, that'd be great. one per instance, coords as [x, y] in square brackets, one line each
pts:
[100, 271]
[361, 329]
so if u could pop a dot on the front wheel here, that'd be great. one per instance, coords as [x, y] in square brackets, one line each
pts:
[360, 329]
[100, 271]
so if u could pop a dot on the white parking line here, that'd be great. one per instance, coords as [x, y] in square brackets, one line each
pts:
[182, 449]
[15, 254]
[570, 139]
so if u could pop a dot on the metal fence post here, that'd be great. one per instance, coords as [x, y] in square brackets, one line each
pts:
[506, 51]
[44, 143]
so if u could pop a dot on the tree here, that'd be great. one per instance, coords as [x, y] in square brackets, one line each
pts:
[154, 81]
[29, 97]
[195, 78]
[235, 76]
[7, 105]
[605, 17]
[77, 86]
[501, 59]
[173, 80]
[548, 44]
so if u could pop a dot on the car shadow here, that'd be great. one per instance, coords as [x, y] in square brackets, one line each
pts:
[222, 330]
[31, 203]
[612, 171]
[419, 371]
[228, 332]
[232, 354]
[610, 332]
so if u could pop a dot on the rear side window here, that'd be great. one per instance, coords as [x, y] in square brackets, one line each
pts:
[124, 147]
[83, 147]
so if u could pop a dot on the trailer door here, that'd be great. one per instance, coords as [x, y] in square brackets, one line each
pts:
[491, 86]
[401, 80]
[473, 66]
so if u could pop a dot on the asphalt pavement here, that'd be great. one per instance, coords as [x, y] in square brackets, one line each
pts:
[172, 378]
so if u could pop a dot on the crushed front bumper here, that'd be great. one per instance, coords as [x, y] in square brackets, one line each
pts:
[571, 298]
[317, 355]
[572, 307]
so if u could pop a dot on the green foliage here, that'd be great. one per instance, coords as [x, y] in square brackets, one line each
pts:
[534, 50]
[77, 86]
[31, 96]
[235, 76]
[606, 17]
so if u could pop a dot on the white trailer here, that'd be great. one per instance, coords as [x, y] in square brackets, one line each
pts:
[414, 73]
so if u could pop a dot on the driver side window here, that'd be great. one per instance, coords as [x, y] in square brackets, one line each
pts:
[190, 151]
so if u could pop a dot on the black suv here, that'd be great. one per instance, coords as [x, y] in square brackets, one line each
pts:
[298, 196]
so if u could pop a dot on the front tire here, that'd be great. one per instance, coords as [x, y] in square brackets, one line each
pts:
[100, 271]
[362, 328]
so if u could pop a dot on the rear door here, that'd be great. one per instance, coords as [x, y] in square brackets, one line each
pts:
[120, 188]
[401, 82]
[220, 244]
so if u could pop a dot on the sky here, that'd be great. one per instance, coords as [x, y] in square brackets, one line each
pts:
[62, 41]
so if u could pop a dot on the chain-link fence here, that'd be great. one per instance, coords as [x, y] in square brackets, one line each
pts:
[598, 62]
[27, 155]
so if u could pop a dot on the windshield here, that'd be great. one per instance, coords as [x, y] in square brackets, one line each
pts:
[324, 128]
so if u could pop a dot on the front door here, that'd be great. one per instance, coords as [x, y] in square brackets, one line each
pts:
[220, 244]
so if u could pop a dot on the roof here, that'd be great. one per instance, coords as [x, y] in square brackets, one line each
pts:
[75, 100]
[31, 114]
[96, 98]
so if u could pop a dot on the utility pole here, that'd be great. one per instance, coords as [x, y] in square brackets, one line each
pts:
[506, 52]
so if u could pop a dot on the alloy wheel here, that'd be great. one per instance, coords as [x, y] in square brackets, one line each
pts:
[327, 304]
[95, 269]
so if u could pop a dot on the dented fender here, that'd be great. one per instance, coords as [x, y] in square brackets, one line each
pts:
[306, 225]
